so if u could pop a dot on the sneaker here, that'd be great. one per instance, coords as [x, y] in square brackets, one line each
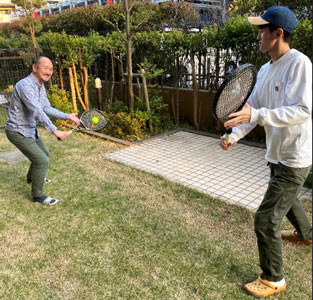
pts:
[261, 288]
[293, 238]
[46, 180]
[46, 200]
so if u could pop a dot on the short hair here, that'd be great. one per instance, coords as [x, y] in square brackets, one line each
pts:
[38, 59]
[272, 27]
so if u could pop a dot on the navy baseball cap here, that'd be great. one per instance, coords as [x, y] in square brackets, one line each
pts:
[280, 16]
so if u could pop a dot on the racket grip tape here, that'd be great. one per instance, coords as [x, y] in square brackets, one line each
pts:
[228, 138]
[68, 133]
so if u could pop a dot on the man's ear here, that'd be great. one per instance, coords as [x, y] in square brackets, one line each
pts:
[34, 68]
[279, 32]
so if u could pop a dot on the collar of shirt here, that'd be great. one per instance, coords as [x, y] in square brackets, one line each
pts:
[35, 81]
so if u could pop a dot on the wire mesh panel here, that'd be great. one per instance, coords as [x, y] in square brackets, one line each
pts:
[4, 103]
[14, 65]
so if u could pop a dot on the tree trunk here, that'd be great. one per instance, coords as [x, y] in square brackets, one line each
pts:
[129, 59]
[208, 72]
[60, 73]
[177, 89]
[217, 68]
[33, 37]
[195, 91]
[199, 71]
[77, 87]
[146, 96]
[113, 80]
[70, 72]
[86, 96]
[106, 79]
[120, 76]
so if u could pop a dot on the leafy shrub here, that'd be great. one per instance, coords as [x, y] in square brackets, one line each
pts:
[134, 126]
[116, 107]
[127, 126]
[302, 38]
[160, 116]
[59, 99]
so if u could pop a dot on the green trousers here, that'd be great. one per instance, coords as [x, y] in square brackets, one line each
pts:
[280, 200]
[36, 152]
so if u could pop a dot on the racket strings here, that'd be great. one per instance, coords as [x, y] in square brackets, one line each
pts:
[93, 119]
[234, 93]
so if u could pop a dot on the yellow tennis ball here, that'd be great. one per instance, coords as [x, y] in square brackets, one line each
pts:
[94, 120]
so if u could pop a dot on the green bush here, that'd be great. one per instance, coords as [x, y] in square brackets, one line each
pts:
[160, 116]
[127, 126]
[302, 38]
[59, 99]
[116, 107]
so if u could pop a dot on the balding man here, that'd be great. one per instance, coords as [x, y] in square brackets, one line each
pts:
[29, 107]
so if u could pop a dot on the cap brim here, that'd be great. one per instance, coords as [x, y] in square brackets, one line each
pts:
[257, 21]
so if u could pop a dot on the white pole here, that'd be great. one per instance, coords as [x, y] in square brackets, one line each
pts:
[223, 11]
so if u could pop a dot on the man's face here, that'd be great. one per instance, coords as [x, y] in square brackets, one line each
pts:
[44, 70]
[267, 40]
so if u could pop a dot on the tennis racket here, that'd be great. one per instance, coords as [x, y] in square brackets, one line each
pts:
[92, 119]
[233, 93]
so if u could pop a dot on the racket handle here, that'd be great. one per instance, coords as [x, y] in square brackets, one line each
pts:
[228, 136]
[68, 133]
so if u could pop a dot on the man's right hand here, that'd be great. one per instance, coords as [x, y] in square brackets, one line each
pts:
[61, 135]
[224, 144]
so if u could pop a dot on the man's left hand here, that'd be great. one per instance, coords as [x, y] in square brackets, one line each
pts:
[73, 117]
[241, 117]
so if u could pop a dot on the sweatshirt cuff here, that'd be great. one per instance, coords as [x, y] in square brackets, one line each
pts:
[235, 136]
[254, 115]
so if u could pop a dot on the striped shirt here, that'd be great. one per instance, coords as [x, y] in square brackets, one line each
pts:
[29, 107]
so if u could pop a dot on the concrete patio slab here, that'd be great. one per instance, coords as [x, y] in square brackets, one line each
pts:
[13, 157]
[238, 176]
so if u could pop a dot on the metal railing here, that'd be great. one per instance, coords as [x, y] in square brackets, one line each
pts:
[68, 4]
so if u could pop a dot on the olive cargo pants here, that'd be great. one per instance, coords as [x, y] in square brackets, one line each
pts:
[36, 152]
[280, 200]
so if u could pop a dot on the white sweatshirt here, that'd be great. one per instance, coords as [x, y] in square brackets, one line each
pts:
[281, 101]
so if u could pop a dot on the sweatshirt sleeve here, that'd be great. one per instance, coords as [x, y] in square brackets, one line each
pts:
[297, 102]
[241, 131]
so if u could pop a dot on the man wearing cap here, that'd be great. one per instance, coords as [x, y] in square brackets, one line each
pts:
[281, 102]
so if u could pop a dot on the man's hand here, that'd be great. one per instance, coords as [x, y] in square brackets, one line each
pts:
[241, 117]
[73, 117]
[61, 135]
[224, 144]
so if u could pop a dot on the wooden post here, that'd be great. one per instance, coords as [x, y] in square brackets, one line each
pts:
[99, 92]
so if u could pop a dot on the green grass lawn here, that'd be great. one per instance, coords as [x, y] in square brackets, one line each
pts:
[122, 234]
